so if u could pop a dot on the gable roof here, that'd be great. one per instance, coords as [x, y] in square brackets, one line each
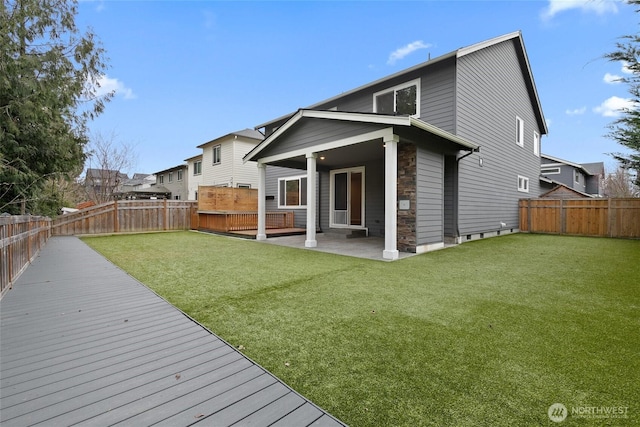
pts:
[458, 53]
[362, 118]
[561, 191]
[591, 170]
[247, 133]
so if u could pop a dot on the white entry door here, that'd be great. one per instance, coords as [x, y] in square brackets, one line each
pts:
[347, 197]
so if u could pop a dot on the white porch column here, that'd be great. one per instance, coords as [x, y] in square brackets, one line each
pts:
[311, 241]
[390, 198]
[262, 208]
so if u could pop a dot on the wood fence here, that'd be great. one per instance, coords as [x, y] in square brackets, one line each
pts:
[581, 217]
[21, 237]
[127, 216]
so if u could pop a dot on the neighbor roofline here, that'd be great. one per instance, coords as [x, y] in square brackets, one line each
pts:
[564, 162]
[219, 139]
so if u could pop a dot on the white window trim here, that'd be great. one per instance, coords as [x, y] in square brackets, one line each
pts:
[536, 143]
[415, 82]
[291, 178]
[194, 168]
[243, 185]
[213, 154]
[332, 190]
[524, 188]
[179, 173]
[519, 131]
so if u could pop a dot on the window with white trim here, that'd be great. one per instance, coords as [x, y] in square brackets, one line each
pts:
[292, 192]
[161, 179]
[170, 176]
[523, 184]
[519, 131]
[217, 154]
[244, 185]
[536, 143]
[552, 170]
[197, 168]
[576, 175]
[401, 100]
[180, 175]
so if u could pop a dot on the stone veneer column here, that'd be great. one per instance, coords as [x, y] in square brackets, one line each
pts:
[407, 191]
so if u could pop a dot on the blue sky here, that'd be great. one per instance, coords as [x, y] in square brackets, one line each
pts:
[186, 72]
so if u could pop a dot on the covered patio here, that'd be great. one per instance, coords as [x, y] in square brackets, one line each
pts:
[340, 143]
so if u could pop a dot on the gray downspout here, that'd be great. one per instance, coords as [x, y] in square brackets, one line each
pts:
[456, 187]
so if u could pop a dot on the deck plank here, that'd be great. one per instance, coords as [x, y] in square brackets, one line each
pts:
[83, 342]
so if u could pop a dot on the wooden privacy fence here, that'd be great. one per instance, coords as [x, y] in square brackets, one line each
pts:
[581, 217]
[21, 237]
[127, 216]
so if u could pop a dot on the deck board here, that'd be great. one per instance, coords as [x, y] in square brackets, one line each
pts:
[82, 342]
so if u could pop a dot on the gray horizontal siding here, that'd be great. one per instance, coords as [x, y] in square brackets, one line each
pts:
[429, 197]
[491, 92]
[438, 96]
[311, 132]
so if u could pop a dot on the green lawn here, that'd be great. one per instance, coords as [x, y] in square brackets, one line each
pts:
[488, 333]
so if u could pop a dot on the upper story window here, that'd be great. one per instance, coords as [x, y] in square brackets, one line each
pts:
[519, 131]
[536, 143]
[170, 176]
[180, 175]
[161, 179]
[292, 192]
[217, 154]
[550, 170]
[197, 168]
[401, 100]
[576, 175]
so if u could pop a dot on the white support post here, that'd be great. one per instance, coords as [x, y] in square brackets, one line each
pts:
[311, 241]
[390, 198]
[262, 208]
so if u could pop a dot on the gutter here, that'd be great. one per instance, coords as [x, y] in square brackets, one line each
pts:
[456, 187]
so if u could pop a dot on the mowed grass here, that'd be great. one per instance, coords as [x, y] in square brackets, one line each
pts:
[488, 333]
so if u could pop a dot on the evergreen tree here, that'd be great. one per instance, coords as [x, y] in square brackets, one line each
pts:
[626, 130]
[48, 75]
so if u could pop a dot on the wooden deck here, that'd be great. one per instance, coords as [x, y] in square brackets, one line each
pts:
[82, 342]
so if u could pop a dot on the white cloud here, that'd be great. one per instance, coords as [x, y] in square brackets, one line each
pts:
[611, 78]
[598, 6]
[105, 85]
[576, 111]
[626, 69]
[406, 50]
[613, 106]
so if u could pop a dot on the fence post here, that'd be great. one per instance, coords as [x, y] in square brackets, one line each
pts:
[116, 224]
[563, 217]
[610, 217]
[165, 215]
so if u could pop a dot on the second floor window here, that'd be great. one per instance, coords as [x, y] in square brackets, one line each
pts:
[519, 131]
[161, 179]
[217, 154]
[170, 176]
[401, 100]
[197, 168]
[180, 175]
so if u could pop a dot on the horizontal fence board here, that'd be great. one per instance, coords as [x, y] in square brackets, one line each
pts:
[618, 218]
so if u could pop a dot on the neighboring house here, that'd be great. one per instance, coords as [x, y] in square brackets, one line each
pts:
[173, 181]
[561, 191]
[194, 176]
[584, 178]
[222, 163]
[142, 186]
[440, 151]
[102, 184]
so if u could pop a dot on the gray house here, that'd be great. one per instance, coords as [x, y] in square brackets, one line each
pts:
[584, 178]
[174, 181]
[440, 151]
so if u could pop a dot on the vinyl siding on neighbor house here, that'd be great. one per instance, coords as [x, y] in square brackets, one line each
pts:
[491, 92]
[231, 171]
